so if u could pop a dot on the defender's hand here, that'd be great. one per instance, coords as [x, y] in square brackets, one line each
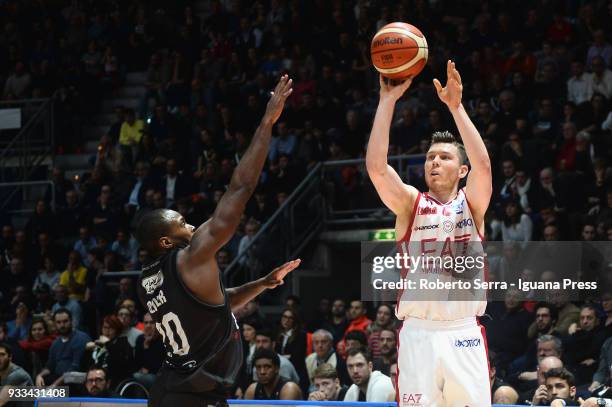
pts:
[276, 276]
[451, 93]
[277, 101]
[388, 91]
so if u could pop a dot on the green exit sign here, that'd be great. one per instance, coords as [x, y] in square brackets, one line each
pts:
[382, 234]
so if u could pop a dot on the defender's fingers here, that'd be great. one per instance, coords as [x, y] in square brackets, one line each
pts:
[287, 85]
[449, 69]
[280, 83]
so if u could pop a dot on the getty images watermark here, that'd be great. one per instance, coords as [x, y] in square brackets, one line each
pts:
[472, 271]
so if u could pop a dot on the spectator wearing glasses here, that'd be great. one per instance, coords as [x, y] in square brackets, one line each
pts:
[291, 343]
[97, 383]
[126, 317]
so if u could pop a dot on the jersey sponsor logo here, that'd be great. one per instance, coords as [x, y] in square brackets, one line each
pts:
[412, 399]
[467, 343]
[151, 283]
[428, 210]
[156, 302]
[448, 226]
[458, 207]
[464, 222]
[427, 227]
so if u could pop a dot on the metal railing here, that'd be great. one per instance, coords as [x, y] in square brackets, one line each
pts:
[22, 150]
[286, 233]
[352, 199]
[16, 197]
[334, 193]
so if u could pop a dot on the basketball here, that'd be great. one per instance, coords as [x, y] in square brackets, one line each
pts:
[399, 50]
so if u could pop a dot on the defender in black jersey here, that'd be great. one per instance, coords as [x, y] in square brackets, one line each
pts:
[183, 290]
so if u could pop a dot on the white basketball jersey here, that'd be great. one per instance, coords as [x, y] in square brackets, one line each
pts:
[435, 229]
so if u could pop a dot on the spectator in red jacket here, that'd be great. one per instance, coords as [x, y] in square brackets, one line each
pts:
[37, 344]
[359, 321]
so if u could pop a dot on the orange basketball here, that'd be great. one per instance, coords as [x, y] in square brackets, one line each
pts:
[399, 50]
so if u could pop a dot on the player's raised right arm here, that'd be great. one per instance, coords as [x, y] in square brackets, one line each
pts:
[396, 195]
[217, 231]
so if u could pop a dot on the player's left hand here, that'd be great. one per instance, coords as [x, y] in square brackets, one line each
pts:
[276, 276]
[451, 93]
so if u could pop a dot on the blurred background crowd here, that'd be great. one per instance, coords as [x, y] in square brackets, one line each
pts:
[537, 85]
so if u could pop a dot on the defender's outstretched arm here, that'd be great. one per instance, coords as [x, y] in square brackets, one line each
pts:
[216, 232]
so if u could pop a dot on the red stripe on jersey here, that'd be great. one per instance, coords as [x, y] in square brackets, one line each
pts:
[412, 216]
[406, 239]
[480, 235]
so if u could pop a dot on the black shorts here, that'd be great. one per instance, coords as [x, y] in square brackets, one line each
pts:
[160, 396]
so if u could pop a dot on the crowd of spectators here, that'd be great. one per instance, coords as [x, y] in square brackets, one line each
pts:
[537, 84]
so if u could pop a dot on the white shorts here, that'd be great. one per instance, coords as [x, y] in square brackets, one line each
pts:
[442, 363]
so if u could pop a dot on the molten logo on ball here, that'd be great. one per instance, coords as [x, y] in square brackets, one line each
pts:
[386, 41]
[399, 50]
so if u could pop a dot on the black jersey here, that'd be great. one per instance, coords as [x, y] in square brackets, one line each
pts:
[202, 344]
[260, 393]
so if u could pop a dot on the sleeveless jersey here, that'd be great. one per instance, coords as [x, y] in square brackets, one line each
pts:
[260, 393]
[203, 347]
[434, 229]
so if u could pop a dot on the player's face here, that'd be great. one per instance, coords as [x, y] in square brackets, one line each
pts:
[442, 166]
[266, 371]
[559, 388]
[327, 386]
[183, 231]
[358, 368]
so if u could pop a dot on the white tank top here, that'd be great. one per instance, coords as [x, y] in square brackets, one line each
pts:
[435, 226]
